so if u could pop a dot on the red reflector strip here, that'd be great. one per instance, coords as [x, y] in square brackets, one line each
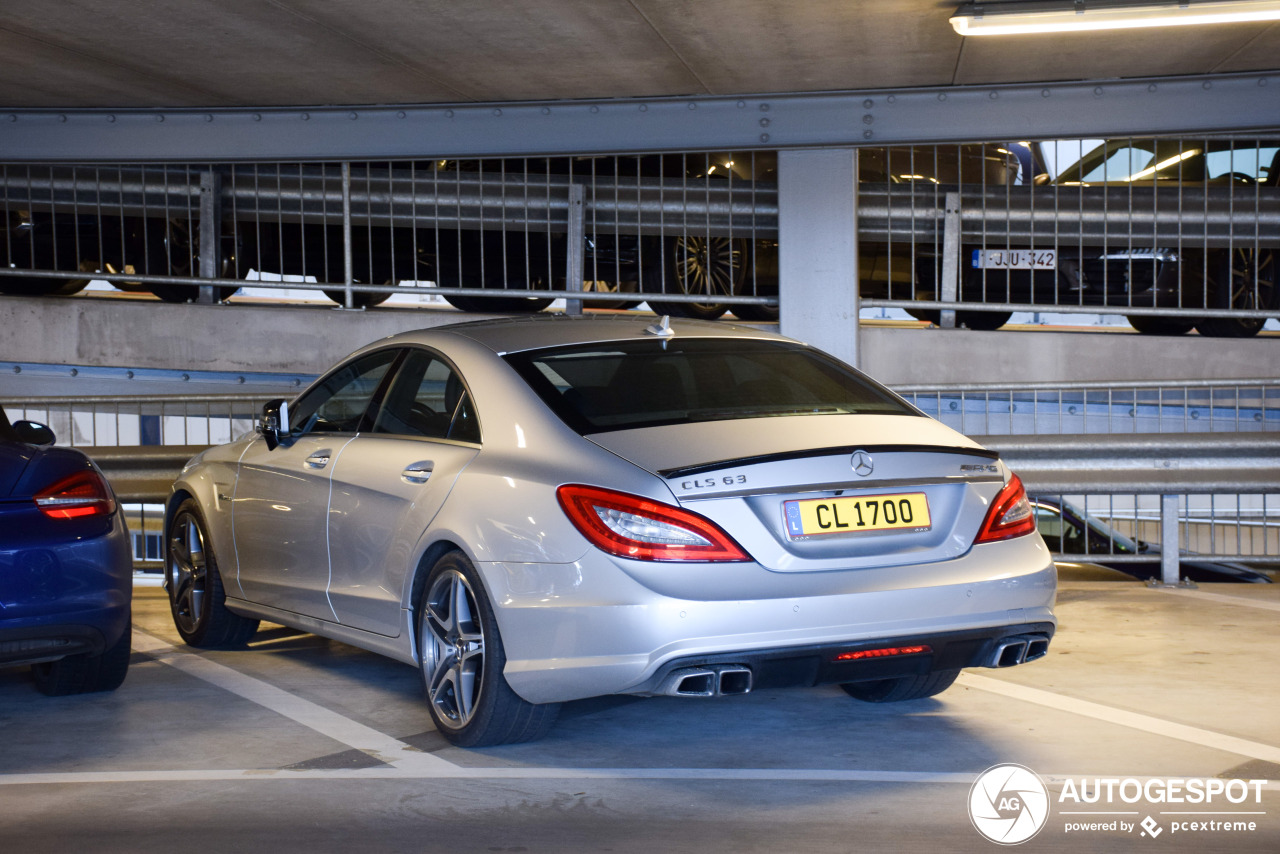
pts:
[72, 512]
[887, 652]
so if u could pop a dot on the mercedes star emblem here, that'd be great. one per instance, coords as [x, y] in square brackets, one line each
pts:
[862, 463]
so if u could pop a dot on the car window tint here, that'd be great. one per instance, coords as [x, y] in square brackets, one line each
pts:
[339, 402]
[1049, 523]
[428, 399]
[624, 385]
[465, 426]
[1138, 161]
[1250, 162]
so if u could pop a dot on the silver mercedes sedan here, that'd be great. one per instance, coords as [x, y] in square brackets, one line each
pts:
[550, 508]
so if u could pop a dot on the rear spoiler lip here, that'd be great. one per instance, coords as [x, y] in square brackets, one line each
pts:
[701, 468]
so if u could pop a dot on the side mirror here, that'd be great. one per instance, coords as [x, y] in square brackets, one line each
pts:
[275, 422]
[33, 433]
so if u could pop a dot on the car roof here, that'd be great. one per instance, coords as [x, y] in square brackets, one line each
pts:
[533, 332]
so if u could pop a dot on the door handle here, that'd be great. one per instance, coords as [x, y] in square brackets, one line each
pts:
[319, 459]
[418, 472]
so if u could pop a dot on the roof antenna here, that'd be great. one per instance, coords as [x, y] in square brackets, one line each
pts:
[662, 329]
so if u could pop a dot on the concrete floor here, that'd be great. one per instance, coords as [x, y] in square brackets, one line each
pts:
[303, 744]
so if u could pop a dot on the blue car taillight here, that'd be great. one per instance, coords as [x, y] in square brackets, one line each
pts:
[83, 494]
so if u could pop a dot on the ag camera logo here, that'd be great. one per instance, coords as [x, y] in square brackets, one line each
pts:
[1008, 804]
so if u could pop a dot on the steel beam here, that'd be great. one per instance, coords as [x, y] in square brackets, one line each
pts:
[818, 249]
[1192, 104]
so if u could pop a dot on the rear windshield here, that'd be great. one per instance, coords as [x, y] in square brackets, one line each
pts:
[622, 385]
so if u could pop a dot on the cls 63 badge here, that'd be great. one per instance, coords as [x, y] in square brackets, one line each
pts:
[708, 482]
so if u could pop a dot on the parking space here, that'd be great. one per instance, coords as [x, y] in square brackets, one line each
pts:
[306, 744]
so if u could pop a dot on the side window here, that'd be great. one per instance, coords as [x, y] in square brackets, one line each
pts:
[1074, 540]
[339, 403]
[1049, 524]
[465, 426]
[427, 399]
[1247, 161]
[1121, 164]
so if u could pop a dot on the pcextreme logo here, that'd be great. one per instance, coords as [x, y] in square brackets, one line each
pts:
[1009, 804]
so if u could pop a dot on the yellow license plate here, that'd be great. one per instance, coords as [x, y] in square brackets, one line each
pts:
[818, 516]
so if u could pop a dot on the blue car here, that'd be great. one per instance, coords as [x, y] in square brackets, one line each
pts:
[66, 570]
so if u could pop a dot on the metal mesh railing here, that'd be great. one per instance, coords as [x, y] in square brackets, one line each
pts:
[1172, 233]
[1095, 408]
[109, 421]
[1236, 406]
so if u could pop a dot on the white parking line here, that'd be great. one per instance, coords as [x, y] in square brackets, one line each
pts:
[387, 772]
[407, 763]
[295, 708]
[1120, 717]
[454, 772]
[1219, 597]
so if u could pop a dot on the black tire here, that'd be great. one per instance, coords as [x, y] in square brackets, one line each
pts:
[1159, 325]
[175, 251]
[196, 595]
[1233, 275]
[901, 689]
[30, 286]
[86, 673]
[499, 305]
[711, 266]
[611, 288]
[359, 299]
[461, 660]
[979, 321]
[759, 313]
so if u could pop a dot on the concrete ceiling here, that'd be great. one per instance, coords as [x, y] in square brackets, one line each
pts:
[215, 53]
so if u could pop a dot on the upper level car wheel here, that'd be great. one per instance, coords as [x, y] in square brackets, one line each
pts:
[462, 659]
[174, 250]
[1240, 278]
[1159, 325]
[196, 596]
[499, 305]
[979, 321]
[359, 299]
[704, 266]
[31, 286]
[601, 286]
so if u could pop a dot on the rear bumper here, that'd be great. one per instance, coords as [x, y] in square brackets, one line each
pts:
[49, 643]
[64, 597]
[587, 629]
[802, 667]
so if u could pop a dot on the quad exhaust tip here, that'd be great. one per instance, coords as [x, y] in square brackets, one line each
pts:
[711, 681]
[1018, 650]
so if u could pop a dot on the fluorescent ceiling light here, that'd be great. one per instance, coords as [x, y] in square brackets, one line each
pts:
[1017, 17]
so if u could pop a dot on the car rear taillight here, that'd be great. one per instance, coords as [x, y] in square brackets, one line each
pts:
[638, 528]
[82, 494]
[1010, 514]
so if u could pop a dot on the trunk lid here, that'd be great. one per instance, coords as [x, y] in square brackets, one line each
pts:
[823, 492]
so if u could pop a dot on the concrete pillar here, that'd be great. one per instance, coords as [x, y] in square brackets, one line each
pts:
[818, 248]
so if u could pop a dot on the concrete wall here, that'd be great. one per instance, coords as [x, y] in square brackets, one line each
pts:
[146, 334]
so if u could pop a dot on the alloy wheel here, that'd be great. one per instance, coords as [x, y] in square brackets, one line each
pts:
[709, 265]
[187, 572]
[453, 644]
